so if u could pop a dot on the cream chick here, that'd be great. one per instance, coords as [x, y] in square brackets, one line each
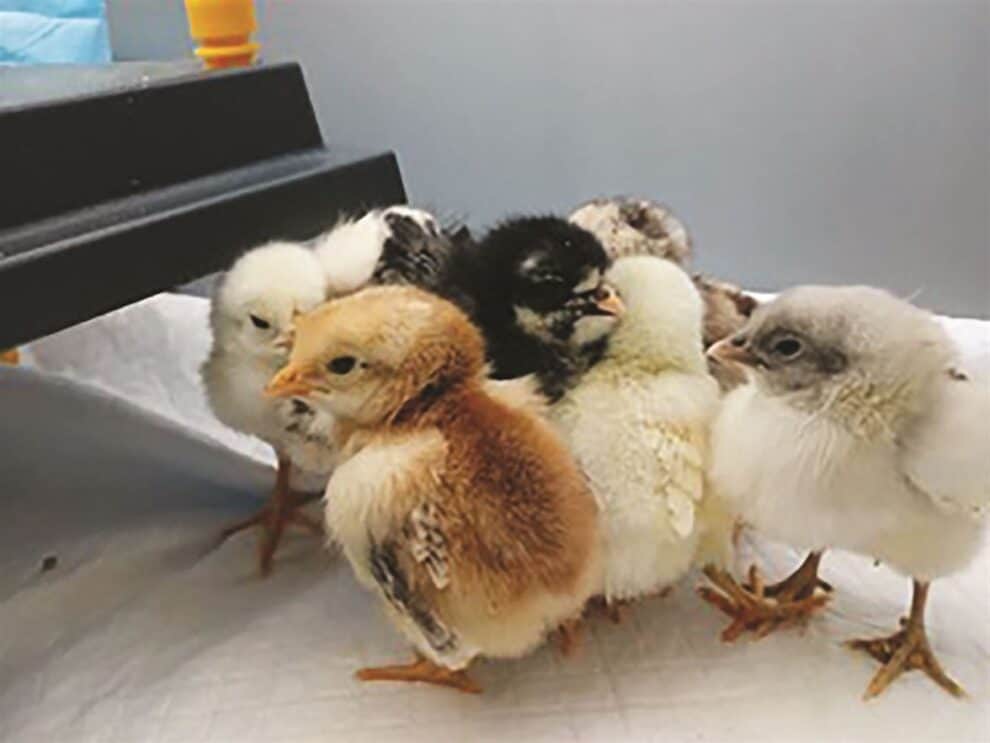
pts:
[638, 424]
[857, 431]
[460, 508]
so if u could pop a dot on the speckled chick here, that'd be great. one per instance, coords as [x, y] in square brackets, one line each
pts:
[638, 424]
[460, 508]
[627, 226]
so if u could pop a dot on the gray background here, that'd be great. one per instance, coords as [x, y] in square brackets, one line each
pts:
[803, 141]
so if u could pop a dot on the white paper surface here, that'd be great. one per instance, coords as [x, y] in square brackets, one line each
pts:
[148, 631]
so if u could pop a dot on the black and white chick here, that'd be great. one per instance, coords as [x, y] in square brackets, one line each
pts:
[534, 285]
[539, 295]
[250, 317]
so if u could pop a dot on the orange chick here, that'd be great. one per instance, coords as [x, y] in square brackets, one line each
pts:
[458, 505]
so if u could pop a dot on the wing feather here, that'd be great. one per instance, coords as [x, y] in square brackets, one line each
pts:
[681, 471]
[946, 455]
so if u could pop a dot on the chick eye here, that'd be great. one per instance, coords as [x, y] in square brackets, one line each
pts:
[260, 323]
[548, 278]
[787, 347]
[341, 364]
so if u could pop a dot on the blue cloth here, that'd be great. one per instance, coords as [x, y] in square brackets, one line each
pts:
[53, 32]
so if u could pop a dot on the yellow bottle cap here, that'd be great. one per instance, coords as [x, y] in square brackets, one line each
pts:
[223, 29]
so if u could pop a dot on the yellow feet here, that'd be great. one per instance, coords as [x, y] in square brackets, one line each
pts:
[11, 357]
[424, 671]
[753, 608]
[907, 650]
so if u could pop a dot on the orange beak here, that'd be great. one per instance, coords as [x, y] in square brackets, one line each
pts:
[289, 382]
[727, 351]
[608, 302]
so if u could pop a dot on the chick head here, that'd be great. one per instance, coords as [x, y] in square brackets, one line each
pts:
[261, 293]
[369, 356]
[551, 273]
[661, 327]
[855, 349]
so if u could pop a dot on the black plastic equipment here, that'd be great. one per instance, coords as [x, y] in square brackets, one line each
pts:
[115, 195]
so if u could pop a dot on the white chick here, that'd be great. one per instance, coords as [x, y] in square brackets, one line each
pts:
[638, 424]
[855, 432]
[250, 316]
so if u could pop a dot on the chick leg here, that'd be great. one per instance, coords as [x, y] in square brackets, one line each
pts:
[569, 637]
[281, 509]
[800, 584]
[616, 611]
[11, 356]
[422, 670]
[906, 650]
[757, 608]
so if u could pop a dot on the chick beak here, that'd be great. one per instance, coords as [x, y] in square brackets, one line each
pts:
[284, 341]
[607, 302]
[733, 350]
[289, 382]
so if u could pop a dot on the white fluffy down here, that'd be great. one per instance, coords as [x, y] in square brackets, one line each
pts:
[638, 424]
[350, 251]
[917, 504]
[272, 283]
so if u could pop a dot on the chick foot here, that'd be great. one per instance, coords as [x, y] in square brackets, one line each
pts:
[11, 356]
[281, 509]
[616, 611]
[422, 670]
[906, 650]
[753, 610]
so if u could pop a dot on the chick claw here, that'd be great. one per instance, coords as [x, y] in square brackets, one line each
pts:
[754, 609]
[569, 637]
[907, 650]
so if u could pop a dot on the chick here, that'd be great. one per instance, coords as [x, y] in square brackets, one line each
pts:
[727, 308]
[461, 510]
[250, 315]
[856, 432]
[396, 245]
[638, 422]
[628, 226]
[537, 290]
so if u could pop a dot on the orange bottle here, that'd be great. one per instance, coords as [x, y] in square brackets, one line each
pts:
[223, 29]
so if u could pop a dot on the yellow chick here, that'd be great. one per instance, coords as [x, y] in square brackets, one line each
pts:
[458, 505]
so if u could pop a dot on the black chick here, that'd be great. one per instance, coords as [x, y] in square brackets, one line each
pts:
[534, 285]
